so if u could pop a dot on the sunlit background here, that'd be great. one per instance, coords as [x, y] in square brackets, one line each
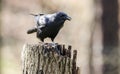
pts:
[93, 28]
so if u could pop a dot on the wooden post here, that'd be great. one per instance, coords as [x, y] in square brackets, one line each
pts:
[43, 59]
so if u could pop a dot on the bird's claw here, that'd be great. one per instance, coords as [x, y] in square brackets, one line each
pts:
[54, 45]
[48, 46]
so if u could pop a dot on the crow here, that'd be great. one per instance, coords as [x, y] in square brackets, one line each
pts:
[48, 25]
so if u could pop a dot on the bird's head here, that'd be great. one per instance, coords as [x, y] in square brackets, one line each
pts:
[62, 16]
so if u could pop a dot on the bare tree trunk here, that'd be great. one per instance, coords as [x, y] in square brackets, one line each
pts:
[43, 59]
[0, 22]
[110, 36]
[0, 34]
[97, 60]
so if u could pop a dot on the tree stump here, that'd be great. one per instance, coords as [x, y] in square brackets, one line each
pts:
[43, 59]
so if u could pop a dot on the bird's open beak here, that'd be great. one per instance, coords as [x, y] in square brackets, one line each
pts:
[68, 18]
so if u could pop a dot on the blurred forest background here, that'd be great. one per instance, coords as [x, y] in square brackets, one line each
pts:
[93, 31]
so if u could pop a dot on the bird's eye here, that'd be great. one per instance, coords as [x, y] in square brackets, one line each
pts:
[61, 15]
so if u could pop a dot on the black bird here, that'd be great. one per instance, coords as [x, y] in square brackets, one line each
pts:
[48, 25]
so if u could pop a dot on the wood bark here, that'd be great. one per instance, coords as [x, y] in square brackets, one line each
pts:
[45, 59]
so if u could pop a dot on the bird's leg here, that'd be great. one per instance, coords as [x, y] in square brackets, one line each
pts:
[45, 46]
[42, 43]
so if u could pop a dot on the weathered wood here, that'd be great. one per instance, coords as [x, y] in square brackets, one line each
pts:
[43, 59]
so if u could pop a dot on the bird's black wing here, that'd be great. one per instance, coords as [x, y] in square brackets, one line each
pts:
[32, 30]
[41, 14]
[44, 21]
[36, 14]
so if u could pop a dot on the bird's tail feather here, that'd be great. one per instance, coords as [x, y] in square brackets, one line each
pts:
[32, 30]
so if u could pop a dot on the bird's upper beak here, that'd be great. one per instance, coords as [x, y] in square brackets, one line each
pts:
[68, 18]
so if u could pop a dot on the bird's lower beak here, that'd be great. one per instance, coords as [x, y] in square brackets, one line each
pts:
[68, 18]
